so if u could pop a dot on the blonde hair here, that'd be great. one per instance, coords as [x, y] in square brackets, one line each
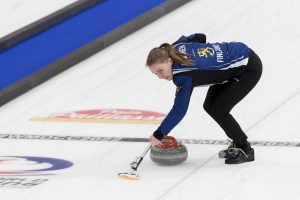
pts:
[165, 51]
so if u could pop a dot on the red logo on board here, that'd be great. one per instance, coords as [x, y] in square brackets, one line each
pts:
[106, 116]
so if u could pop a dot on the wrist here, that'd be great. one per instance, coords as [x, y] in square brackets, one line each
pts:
[158, 135]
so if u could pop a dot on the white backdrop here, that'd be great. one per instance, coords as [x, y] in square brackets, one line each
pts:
[15, 14]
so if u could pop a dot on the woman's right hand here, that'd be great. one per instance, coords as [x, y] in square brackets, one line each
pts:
[154, 141]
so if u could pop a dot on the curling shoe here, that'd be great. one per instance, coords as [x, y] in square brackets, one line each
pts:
[224, 153]
[240, 155]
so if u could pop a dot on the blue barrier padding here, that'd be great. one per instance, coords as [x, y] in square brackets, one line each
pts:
[37, 52]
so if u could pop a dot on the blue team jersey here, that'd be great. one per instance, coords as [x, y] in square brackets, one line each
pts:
[212, 56]
[214, 63]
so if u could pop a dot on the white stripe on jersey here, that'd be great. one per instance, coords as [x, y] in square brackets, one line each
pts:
[232, 64]
[237, 64]
[176, 71]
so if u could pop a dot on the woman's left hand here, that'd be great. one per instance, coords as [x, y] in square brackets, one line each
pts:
[154, 141]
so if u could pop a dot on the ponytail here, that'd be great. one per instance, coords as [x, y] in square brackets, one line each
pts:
[165, 51]
[177, 56]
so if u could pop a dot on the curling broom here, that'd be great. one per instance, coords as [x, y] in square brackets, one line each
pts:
[133, 175]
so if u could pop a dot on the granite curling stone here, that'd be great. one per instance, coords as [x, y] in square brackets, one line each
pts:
[170, 153]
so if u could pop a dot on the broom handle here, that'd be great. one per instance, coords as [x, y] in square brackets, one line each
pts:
[146, 150]
[134, 165]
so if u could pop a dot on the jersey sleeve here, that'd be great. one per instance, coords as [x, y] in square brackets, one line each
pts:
[180, 107]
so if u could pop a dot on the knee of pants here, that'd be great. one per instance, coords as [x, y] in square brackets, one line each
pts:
[214, 112]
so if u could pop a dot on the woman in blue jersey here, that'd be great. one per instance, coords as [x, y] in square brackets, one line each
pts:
[231, 70]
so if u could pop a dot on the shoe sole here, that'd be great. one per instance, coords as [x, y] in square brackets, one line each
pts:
[240, 162]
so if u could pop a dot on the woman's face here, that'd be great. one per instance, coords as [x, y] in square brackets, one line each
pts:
[163, 70]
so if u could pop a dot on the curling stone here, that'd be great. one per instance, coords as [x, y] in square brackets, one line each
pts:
[169, 153]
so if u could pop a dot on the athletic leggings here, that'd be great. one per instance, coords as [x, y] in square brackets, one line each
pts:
[221, 98]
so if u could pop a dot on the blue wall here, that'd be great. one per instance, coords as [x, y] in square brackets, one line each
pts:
[47, 47]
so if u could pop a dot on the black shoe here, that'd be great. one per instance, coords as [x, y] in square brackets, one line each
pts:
[225, 153]
[238, 155]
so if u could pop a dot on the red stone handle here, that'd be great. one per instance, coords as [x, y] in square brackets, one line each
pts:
[169, 142]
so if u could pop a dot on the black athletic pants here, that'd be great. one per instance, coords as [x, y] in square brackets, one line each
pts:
[221, 98]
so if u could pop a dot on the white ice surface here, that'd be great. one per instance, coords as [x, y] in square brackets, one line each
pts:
[16, 14]
[117, 78]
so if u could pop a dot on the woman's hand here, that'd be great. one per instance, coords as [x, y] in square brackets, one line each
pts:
[154, 141]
